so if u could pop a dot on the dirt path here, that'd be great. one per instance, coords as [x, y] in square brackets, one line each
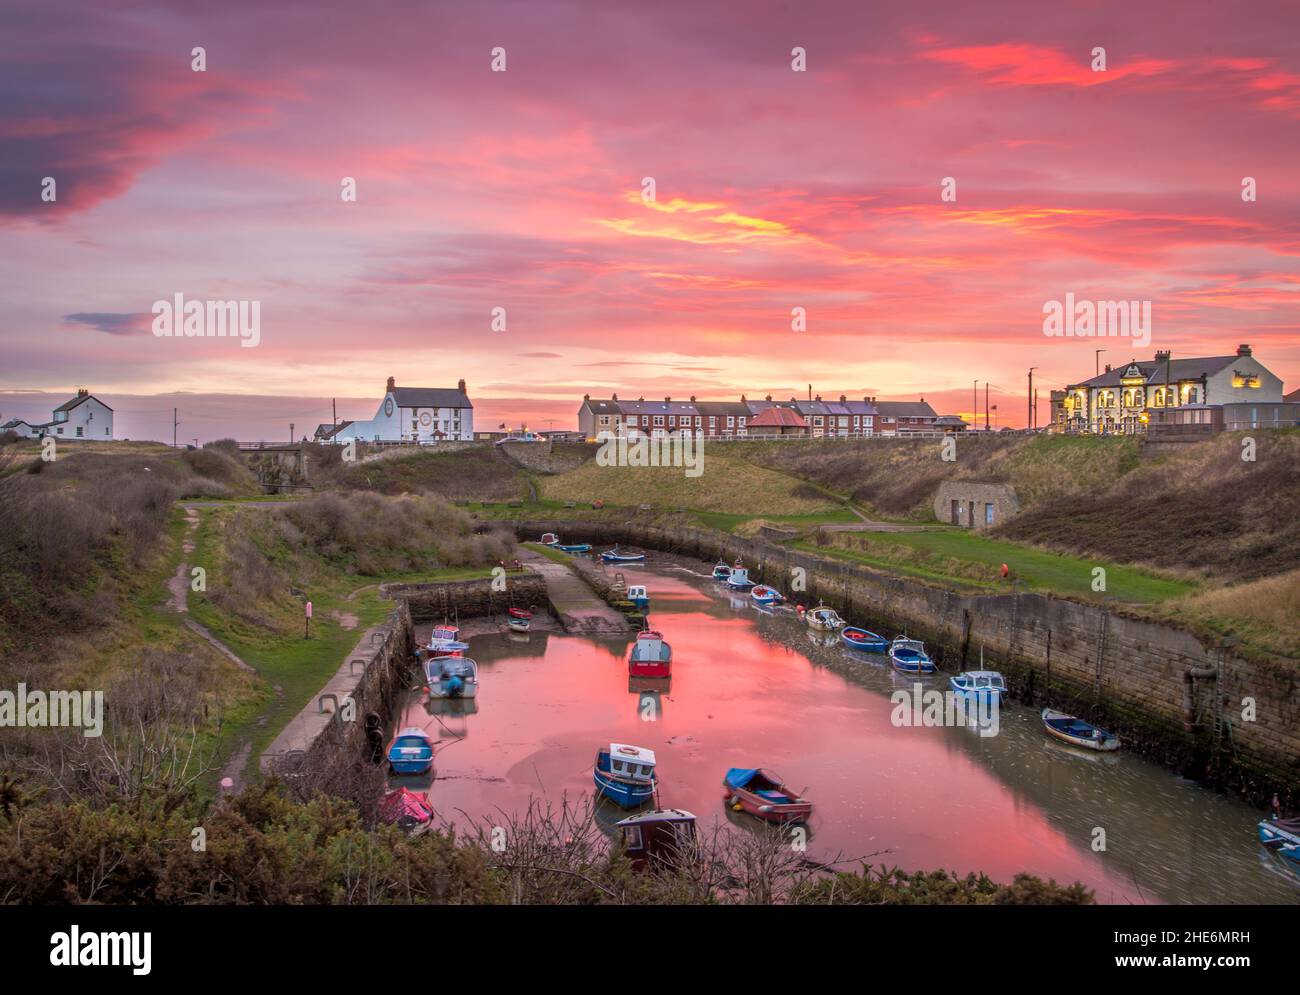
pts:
[178, 587]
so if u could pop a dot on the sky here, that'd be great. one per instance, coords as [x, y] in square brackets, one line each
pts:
[526, 190]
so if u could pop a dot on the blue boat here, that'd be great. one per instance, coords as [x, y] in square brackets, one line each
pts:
[909, 656]
[738, 578]
[411, 752]
[721, 570]
[1282, 837]
[979, 683]
[625, 774]
[639, 596]
[577, 547]
[862, 639]
[617, 555]
[761, 594]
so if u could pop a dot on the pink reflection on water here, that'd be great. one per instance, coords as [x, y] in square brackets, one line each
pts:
[738, 700]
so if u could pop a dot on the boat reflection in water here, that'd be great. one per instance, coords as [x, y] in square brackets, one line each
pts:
[745, 691]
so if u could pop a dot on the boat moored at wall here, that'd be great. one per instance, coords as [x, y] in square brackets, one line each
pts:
[1075, 731]
[862, 639]
[411, 752]
[651, 656]
[909, 656]
[761, 594]
[823, 619]
[1282, 837]
[626, 554]
[988, 683]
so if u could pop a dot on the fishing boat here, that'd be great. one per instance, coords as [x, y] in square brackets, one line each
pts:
[639, 596]
[550, 539]
[664, 835]
[1282, 836]
[823, 619]
[519, 613]
[445, 641]
[518, 624]
[621, 555]
[761, 594]
[909, 656]
[721, 570]
[576, 547]
[650, 657]
[761, 793]
[1076, 732]
[738, 578]
[411, 752]
[625, 774]
[403, 808]
[979, 682]
[861, 639]
[451, 677]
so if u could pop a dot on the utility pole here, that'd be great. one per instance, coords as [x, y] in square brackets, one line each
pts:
[291, 433]
[175, 423]
[334, 406]
[986, 405]
[1036, 409]
[1031, 397]
[975, 405]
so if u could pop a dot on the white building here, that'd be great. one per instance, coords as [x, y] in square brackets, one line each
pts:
[83, 417]
[415, 414]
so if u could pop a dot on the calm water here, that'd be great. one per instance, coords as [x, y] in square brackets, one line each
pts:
[755, 690]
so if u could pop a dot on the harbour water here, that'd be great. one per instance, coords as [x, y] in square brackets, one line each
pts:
[756, 690]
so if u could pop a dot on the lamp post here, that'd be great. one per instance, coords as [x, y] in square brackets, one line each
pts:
[1032, 407]
[975, 405]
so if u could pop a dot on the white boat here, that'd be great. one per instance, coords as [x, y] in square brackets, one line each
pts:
[550, 539]
[979, 682]
[739, 578]
[445, 641]
[451, 677]
[1075, 731]
[909, 656]
[823, 619]
[638, 595]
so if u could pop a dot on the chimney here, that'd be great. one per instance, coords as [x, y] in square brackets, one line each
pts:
[843, 398]
[1107, 370]
[614, 397]
[1243, 350]
[667, 399]
[586, 397]
[641, 398]
[391, 384]
[692, 398]
[769, 397]
[460, 386]
[85, 391]
[742, 398]
[1162, 355]
[819, 397]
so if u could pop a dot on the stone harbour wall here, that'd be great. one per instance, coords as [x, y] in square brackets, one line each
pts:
[1103, 662]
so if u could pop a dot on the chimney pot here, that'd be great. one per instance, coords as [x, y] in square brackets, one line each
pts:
[391, 383]
[692, 398]
[586, 397]
[1243, 350]
[667, 399]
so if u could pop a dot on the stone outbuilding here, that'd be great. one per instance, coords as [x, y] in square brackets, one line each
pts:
[975, 503]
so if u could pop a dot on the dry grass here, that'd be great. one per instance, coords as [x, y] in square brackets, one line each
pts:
[1265, 613]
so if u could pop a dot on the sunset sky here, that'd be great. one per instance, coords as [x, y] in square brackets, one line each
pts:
[522, 189]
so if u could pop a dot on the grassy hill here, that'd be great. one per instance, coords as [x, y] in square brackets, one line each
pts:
[729, 484]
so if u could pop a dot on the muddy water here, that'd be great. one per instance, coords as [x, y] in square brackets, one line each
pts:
[749, 689]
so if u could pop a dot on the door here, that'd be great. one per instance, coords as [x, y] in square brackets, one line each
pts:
[956, 512]
[972, 515]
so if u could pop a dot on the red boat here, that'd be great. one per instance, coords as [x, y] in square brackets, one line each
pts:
[761, 793]
[651, 656]
[665, 836]
[407, 810]
[519, 613]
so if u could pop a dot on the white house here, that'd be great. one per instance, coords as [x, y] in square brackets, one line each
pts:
[415, 414]
[83, 417]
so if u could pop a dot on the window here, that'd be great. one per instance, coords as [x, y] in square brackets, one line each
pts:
[741, 420]
[713, 421]
[632, 837]
[731, 421]
[659, 419]
[604, 419]
[78, 431]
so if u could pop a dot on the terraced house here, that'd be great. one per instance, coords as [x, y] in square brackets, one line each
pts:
[1214, 391]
